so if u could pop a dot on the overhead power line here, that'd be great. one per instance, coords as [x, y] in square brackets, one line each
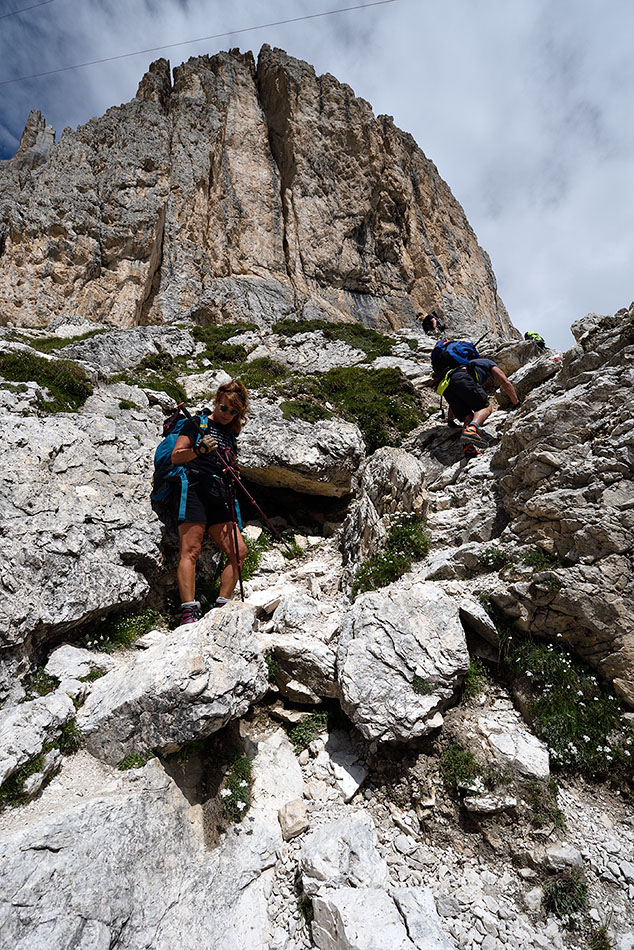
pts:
[200, 39]
[3, 16]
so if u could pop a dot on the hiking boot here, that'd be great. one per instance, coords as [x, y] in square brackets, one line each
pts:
[473, 435]
[471, 451]
[190, 612]
[221, 601]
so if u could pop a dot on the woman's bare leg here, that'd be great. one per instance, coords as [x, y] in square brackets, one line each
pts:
[191, 537]
[222, 535]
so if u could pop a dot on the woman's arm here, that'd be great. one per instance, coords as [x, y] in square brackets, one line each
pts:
[183, 451]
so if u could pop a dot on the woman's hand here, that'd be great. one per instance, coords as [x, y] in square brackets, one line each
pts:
[206, 445]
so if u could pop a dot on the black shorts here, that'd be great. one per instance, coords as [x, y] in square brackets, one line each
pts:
[200, 503]
[464, 395]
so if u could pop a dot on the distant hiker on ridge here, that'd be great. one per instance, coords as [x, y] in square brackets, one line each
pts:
[431, 323]
[469, 403]
[206, 505]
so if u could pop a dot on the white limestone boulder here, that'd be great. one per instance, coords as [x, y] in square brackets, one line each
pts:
[401, 655]
[186, 687]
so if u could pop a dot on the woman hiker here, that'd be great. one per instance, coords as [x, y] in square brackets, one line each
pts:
[207, 507]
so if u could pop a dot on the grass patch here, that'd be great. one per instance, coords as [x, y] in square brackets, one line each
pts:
[159, 372]
[12, 790]
[495, 559]
[599, 939]
[475, 678]
[371, 343]
[236, 788]
[50, 344]
[539, 559]
[381, 402]
[407, 540]
[127, 404]
[308, 729]
[41, 683]
[458, 767]
[92, 676]
[566, 893]
[272, 666]
[66, 382]
[421, 686]
[306, 409]
[541, 798]
[114, 633]
[69, 740]
[579, 719]
[135, 760]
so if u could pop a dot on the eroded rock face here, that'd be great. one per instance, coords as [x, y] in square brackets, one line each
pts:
[567, 487]
[320, 458]
[236, 192]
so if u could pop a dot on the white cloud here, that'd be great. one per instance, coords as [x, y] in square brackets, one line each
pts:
[524, 106]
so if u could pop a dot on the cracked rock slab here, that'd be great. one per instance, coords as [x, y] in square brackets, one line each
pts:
[186, 687]
[401, 655]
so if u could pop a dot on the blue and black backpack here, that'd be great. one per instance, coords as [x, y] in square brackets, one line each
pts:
[166, 474]
[450, 354]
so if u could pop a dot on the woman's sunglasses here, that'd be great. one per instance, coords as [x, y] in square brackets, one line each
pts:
[223, 408]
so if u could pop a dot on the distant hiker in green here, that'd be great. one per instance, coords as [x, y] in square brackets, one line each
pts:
[204, 501]
[535, 338]
[431, 323]
[469, 402]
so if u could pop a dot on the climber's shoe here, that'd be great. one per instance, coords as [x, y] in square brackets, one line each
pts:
[471, 451]
[472, 434]
[190, 612]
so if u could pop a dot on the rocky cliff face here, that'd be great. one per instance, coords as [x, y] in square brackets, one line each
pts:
[237, 192]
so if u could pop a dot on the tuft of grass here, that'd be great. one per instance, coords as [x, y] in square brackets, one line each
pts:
[50, 344]
[272, 666]
[66, 382]
[458, 766]
[371, 342]
[159, 372]
[42, 683]
[541, 798]
[114, 633]
[92, 676]
[566, 893]
[600, 939]
[421, 686]
[413, 344]
[236, 788]
[307, 409]
[308, 729]
[539, 559]
[495, 559]
[475, 678]
[69, 740]
[135, 760]
[292, 550]
[127, 404]
[12, 790]
[407, 540]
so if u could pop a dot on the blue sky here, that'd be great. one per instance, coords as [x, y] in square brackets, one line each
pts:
[523, 105]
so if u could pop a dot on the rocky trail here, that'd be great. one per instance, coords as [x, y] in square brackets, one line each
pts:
[343, 831]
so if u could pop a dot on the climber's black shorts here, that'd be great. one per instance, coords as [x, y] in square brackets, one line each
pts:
[198, 503]
[464, 395]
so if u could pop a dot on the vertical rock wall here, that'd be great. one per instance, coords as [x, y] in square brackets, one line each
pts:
[237, 192]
